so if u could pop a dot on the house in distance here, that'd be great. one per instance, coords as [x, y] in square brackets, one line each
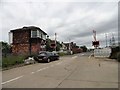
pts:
[27, 40]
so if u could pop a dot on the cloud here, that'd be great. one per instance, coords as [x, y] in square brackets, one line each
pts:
[70, 20]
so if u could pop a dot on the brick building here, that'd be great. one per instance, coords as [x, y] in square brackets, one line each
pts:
[71, 47]
[27, 40]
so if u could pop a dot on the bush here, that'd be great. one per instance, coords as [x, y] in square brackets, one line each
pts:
[61, 54]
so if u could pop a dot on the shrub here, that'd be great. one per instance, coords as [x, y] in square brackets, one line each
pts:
[62, 54]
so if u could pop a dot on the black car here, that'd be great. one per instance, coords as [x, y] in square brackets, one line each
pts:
[47, 56]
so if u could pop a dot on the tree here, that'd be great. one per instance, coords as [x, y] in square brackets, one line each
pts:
[5, 48]
[58, 46]
[84, 48]
[48, 45]
[48, 48]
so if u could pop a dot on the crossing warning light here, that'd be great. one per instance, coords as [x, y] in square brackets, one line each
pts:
[95, 43]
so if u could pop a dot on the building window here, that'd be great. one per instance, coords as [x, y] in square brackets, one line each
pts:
[44, 37]
[37, 33]
[34, 33]
[40, 34]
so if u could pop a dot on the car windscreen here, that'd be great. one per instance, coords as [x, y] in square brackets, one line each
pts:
[42, 54]
[48, 53]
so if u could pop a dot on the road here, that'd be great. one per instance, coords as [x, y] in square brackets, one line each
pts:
[75, 71]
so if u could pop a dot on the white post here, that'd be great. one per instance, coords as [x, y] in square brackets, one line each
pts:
[10, 34]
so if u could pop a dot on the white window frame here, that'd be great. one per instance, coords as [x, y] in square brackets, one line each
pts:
[10, 37]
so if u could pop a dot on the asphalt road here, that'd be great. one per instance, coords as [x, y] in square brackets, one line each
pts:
[75, 71]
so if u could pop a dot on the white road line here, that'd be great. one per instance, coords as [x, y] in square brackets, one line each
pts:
[12, 80]
[39, 70]
[42, 69]
[74, 57]
[82, 54]
[32, 72]
[90, 55]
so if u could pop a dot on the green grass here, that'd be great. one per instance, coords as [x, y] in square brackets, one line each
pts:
[12, 60]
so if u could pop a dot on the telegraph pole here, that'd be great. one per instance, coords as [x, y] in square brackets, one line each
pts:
[55, 41]
[110, 42]
[70, 47]
[113, 40]
[106, 39]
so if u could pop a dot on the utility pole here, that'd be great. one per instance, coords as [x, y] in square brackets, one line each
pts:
[113, 40]
[55, 41]
[94, 35]
[110, 42]
[69, 46]
[106, 39]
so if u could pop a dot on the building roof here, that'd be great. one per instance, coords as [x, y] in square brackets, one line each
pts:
[28, 28]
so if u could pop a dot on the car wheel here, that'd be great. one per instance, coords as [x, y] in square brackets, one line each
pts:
[48, 60]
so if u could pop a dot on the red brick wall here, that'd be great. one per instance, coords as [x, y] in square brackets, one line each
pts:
[35, 48]
[20, 48]
[21, 36]
[76, 50]
[24, 48]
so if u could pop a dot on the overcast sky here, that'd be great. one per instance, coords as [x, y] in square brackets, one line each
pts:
[72, 21]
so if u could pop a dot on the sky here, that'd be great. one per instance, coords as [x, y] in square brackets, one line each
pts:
[72, 20]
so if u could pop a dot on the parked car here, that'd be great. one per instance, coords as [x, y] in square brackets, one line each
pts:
[47, 56]
[29, 60]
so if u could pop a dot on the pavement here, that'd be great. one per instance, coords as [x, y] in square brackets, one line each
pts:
[74, 71]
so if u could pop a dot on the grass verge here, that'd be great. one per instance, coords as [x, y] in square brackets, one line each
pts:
[12, 60]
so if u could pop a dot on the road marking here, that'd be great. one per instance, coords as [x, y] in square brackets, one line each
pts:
[42, 69]
[82, 54]
[32, 72]
[90, 55]
[12, 80]
[74, 57]
[39, 70]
